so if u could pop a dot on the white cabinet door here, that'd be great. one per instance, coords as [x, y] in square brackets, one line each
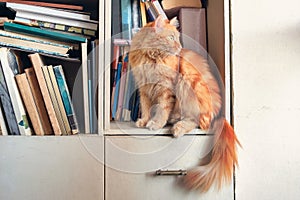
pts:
[131, 163]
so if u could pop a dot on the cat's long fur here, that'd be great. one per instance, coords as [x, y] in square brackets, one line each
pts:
[177, 86]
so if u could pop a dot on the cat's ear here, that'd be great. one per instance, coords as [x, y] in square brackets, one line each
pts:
[174, 22]
[159, 22]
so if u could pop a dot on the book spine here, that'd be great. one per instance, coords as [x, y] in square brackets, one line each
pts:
[9, 118]
[156, 5]
[47, 11]
[42, 32]
[128, 89]
[126, 19]
[37, 65]
[59, 100]
[70, 22]
[136, 17]
[122, 86]
[54, 99]
[114, 68]
[151, 13]
[84, 67]
[143, 13]
[10, 69]
[65, 94]
[3, 127]
[56, 26]
[28, 100]
[39, 101]
[33, 46]
[116, 95]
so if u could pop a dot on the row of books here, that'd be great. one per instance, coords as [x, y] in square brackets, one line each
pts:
[129, 16]
[63, 34]
[135, 14]
[124, 94]
[34, 100]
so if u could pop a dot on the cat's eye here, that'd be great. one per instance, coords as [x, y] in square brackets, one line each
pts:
[171, 37]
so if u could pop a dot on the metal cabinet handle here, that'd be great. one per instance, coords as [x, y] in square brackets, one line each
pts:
[179, 172]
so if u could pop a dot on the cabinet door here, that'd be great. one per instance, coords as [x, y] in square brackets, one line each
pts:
[131, 163]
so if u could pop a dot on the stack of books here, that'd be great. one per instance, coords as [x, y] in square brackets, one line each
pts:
[42, 43]
[125, 98]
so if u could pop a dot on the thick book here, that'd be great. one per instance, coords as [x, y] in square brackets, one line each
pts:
[59, 99]
[56, 26]
[8, 115]
[193, 29]
[10, 69]
[19, 28]
[38, 99]
[29, 102]
[54, 100]
[65, 94]
[48, 11]
[47, 4]
[89, 24]
[37, 65]
[8, 39]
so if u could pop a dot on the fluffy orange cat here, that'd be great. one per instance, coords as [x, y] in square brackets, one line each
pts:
[176, 86]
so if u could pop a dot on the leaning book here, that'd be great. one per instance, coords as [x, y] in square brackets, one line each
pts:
[65, 94]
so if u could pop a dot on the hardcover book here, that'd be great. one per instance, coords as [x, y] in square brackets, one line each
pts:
[10, 69]
[48, 11]
[37, 65]
[59, 99]
[28, 100]
[19, 28]
[39, 101]
[65, 94]
[8, 121]
[53, 97]
[8, 39]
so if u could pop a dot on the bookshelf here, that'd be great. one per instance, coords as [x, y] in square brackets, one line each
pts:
[217, 14]
[88, 150]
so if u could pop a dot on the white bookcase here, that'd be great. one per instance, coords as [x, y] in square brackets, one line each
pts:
[71, 167]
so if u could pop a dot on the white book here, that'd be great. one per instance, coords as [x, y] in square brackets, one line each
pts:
[90, 24]
[12, 87]
[85, 86]
[48, 11]
[2, 124]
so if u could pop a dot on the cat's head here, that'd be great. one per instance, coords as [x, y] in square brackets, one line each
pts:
[160, 34]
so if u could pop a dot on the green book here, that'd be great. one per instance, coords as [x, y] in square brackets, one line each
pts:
[8, 26]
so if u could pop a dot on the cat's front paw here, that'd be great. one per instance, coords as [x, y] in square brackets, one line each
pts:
[178, 130]
[141, 123]
[154, 125]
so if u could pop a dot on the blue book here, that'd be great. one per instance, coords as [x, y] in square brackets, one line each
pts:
[115, 103]
[64, 92]
[126, 19]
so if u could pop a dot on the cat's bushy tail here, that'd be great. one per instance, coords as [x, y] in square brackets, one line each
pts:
[223, 159]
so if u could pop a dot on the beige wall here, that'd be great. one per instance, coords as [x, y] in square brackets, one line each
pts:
[266, 83]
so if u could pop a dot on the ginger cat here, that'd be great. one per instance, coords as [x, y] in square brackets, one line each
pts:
[176, 86]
